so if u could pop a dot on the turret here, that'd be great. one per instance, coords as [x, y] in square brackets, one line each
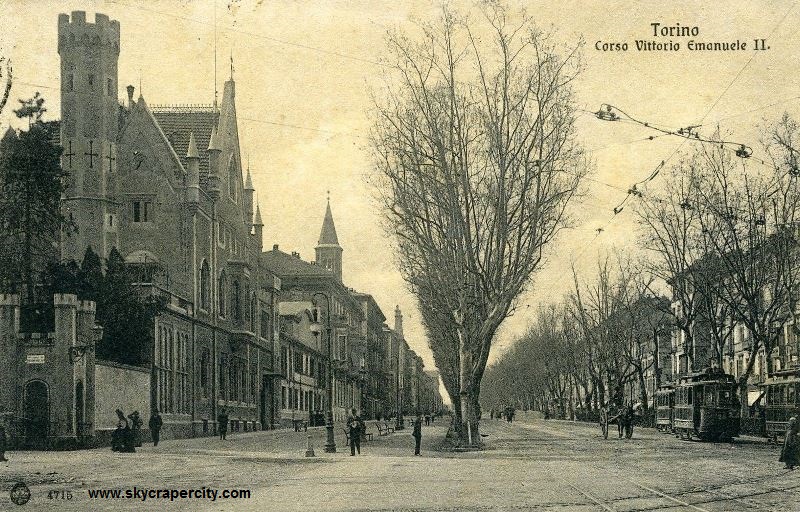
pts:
[248, 200]
[259, 229]
[214, 153]
[193, 179]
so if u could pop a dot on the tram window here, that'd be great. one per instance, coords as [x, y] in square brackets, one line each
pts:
[709, 396]
[791, 394]
[689, 396]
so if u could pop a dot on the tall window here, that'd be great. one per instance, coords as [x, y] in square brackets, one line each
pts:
[205, 292]
[223, 376]
[223, 290]
[253, 382]
[236, 303]
[205, 367]
[182, 372]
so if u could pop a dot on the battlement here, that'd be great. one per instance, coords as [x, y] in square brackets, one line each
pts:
[75, 32]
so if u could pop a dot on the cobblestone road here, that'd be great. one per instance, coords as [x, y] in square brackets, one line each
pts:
[528, 465]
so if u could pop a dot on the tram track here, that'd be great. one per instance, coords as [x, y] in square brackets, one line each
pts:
[681, 499]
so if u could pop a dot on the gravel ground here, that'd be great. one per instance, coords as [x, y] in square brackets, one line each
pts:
[531, 464]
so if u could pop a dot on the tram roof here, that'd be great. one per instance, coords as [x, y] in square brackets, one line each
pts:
[706, 376]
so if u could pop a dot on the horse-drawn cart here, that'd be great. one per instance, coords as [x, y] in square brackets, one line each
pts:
[613, 414]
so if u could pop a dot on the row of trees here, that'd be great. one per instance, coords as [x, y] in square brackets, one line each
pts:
[720, 232]
[585, 351]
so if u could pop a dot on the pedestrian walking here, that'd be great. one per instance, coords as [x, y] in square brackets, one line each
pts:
[121, 438]
[355, 428]
[790, 454]
[222, 423]
[417, 433]
[427, 420]
[136, 428]
[155, 426]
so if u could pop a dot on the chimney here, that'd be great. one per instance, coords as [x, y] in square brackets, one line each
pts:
[130, 90]
[275, 247]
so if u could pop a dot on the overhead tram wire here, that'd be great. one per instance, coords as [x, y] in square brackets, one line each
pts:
[663, 162]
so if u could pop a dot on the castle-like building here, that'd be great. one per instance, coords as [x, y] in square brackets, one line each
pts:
[166, 187]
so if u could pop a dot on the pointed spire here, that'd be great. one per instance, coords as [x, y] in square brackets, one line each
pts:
[327, 235]
[213, 142]
[248, 185]
[192, 152]
[258, 221]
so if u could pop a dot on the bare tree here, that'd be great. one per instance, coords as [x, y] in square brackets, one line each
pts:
[749, 222]
[477, 160]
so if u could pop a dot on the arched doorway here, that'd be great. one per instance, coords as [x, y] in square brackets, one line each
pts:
[36, 412]
[80, 422]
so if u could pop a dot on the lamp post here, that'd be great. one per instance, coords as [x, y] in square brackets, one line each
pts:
[362, 374]
[316, 329]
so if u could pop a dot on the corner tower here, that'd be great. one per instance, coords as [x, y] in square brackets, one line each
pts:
[328, 250]
[89, 123]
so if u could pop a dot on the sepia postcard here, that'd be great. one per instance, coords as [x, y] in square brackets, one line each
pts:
[413, 255]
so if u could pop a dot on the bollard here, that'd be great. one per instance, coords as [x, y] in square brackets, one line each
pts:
[309, 447]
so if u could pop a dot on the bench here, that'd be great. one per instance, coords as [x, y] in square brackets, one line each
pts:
[384, 429]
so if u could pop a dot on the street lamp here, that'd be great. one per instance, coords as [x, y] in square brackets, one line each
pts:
[362, 373]
[316, 329]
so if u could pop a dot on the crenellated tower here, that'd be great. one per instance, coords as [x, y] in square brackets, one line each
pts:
[89, 124]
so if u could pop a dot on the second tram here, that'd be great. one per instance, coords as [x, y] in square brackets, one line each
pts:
[706, 406]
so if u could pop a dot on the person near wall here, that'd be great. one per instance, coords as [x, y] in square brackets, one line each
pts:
[136, 428]
[155, 426]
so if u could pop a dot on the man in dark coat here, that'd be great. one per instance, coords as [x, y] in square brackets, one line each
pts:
[136, 427]
[222, 423]
[417, 433]
[355, 427]
[790, 454]
[155, 426]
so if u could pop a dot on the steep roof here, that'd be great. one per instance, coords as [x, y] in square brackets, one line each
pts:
[179, 122]
[285, 265]
[327, 236]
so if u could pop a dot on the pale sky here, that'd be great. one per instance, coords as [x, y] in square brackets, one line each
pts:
[304, 71]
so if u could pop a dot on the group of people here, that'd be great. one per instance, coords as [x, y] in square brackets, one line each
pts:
[126, 437]
[507, 413]
[625, 421]
[356, 430]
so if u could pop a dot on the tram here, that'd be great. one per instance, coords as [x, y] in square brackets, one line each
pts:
[706, 406]
[781, 398]
[665, 407]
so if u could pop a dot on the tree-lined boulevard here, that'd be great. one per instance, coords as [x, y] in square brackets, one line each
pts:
[531, 464]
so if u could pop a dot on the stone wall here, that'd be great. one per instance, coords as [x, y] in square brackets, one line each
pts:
[121, 387]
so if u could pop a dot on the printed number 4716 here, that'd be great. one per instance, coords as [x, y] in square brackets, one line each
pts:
[59, 495]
